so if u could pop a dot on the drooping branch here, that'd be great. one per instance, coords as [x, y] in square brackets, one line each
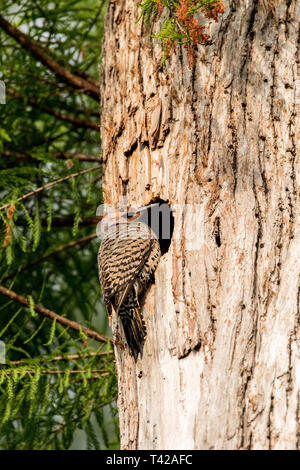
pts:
[69, 221]
[182, 25]
[49, 185]
[96, 372]
[61, 155]
[54, 316]
[79, 156]
[69, 357]
[83, 123]
[88, 86]
[71, 244]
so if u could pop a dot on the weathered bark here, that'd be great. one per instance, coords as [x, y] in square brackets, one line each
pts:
[221, 366]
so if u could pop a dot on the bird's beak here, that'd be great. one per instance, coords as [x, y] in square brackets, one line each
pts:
[155, 204]
[145, 208]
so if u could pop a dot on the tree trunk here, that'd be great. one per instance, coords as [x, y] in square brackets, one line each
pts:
[221, 366]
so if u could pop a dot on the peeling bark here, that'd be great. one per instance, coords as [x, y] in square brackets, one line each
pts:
[221, 366]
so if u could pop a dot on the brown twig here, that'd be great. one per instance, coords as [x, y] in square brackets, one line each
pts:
[49, 185]
[88, 86]
[84, 123]
[71, 244]
[102, 372]
[69, 357]
[79, 156]
[68, 221]
[54, 316]
[60, 155]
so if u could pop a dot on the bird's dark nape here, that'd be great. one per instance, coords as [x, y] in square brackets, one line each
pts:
[134, 329]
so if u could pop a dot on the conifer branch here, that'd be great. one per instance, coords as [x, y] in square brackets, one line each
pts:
[71, 244]
[68, 221]
[49, 185]
[79, 156]
[69, 357]
[83, 123]
[60, 155]
[88, 86]
[54, 316]
[102, 372]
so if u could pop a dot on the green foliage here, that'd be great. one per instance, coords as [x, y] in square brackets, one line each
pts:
[180, 24]
[45, 402]
[149, 9]
[48, 401]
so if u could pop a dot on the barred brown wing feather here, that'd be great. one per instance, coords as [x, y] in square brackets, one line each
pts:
[120, 261]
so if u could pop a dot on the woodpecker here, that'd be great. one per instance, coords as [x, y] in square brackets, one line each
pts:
[127, 259]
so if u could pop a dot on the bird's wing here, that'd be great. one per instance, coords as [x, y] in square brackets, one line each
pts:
[120, 261]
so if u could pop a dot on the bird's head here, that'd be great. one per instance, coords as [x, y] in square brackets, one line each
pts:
[122, 215]
[158, 216]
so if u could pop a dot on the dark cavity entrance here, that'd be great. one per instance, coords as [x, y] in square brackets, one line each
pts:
[161, 220]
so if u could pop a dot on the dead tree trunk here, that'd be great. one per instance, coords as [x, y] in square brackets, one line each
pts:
[221, 366]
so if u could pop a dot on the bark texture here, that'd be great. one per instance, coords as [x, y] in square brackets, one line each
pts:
[221, 365]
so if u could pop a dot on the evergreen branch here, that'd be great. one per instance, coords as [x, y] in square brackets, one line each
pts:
[89, 87]
[79, 156]
[49, 140]
[92, 24]
[97, 179]
[62, 426]
[84, 123]
[60, 155]
[69, 357]
[52, 315]
[49, 185]
[71, 244]
[102, 372]
[180, 25]
[69, 221]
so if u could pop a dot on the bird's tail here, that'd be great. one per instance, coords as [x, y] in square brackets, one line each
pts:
[134, 329]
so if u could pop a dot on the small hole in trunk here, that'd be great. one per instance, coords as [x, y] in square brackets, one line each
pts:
[217, 231]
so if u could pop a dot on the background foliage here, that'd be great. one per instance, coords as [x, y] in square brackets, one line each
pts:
[58, 386]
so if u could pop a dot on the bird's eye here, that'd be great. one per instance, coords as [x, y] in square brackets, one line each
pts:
[128, 215]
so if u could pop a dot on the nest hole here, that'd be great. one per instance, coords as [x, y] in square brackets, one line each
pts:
[162, 222]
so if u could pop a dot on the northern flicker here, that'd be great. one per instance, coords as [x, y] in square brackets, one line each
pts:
[127, 258]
